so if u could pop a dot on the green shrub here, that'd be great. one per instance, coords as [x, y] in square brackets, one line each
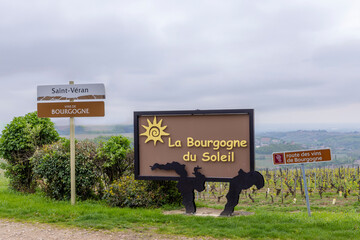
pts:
[167, 192]
[52, 168]
[116, 158]
[127, 192]
[18, 142]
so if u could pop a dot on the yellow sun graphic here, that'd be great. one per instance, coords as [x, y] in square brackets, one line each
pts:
[154, 131]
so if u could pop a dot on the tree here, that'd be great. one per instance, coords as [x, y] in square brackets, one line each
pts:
[19, 140]
[116, 158]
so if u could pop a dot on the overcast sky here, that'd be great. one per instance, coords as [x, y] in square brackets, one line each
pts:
[295, 62]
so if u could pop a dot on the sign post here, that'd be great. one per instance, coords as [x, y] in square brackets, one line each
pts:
[72, 156]
[296, 157]
[306, 190]
[71, 109]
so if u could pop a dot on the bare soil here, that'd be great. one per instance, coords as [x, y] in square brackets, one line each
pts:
[10, 230]
[205, 212]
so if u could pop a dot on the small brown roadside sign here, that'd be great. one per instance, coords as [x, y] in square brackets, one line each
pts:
[309, 156]
[71, 109]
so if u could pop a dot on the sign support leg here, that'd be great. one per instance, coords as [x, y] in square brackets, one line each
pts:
[306, 190]
[72, 160]
[72, 157]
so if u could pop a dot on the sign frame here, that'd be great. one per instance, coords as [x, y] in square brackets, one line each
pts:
[138, 114]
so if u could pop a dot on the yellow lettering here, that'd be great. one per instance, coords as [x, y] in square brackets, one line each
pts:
[171, 145]
[177, 143]
[216, 145]
[236, 144]
[206, 157]
[186, 157]
[190, 142]
[230, 145]
[229, 157]
[204, 143]
[189, 157]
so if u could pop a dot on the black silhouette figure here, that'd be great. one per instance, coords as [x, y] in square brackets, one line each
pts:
[185, 185]
[242, 181]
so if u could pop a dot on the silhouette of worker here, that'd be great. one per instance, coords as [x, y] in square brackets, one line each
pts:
[185, 184]
[240, 182]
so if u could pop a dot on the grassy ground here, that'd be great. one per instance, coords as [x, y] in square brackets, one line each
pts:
[270, 221]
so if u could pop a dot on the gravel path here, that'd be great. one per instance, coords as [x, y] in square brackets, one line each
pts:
[10, 230]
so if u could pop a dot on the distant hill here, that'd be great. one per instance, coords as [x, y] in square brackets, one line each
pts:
[345, 146]
[96, 130]
[337, 141]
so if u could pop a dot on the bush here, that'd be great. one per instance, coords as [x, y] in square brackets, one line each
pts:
[19, 140]
[116, 158]
[52, 168]
[167, 192]
[127, 192]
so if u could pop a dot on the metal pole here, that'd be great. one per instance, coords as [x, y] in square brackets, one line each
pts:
[281, 179]
[72, 157]
[306, 190]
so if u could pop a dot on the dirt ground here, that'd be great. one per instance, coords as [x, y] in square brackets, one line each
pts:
[204, 212]
[12, 230]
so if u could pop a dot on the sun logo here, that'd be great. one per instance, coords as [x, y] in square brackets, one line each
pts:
[154, 131]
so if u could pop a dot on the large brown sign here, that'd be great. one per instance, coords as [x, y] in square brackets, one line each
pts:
[71, 109]
[309, 156]
[220, 142]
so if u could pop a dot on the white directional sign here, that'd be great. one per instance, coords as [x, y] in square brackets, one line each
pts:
[71, 91]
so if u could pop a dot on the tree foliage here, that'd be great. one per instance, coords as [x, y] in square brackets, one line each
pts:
[18, 142]
[35, 157]
[116, 157]
[52, 169]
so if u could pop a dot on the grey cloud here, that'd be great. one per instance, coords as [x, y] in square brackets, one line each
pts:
[207, 54]
[345, 55]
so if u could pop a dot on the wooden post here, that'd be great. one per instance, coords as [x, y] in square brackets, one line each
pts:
[72, 157]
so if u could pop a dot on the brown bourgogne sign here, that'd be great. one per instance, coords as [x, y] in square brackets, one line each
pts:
[309, 156]
[71, 92]
[220, 142]
[71, 109]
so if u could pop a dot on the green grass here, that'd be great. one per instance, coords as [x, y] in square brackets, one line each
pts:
[270, 221]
